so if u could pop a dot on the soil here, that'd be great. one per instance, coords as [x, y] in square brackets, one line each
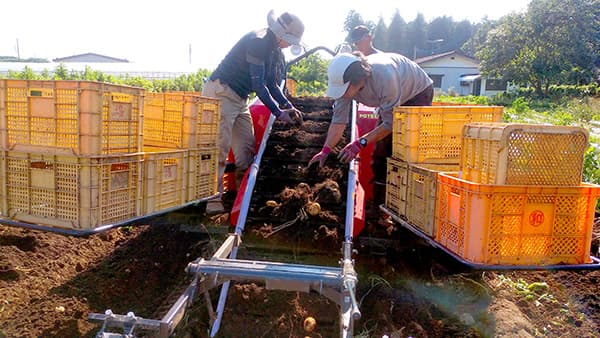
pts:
[49, 283]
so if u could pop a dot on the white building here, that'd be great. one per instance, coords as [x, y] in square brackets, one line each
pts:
[457, 72]
[105, 64]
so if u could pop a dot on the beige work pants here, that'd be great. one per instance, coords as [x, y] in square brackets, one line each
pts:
[235, 127]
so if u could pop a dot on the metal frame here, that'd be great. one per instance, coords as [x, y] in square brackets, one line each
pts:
[477, 266]
[336, 283]
[103, 228]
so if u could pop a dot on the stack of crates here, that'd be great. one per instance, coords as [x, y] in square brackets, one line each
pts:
[180, 155]
[70, 152]
[426, 140]
[518, 198]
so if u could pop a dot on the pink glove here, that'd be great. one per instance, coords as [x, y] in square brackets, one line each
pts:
[321, 156]
[349, 152]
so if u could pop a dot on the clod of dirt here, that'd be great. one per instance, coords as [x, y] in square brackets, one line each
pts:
[327, 192]
[27, 243]
[7, 273]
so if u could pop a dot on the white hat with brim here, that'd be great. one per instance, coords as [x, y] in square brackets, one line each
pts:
[290, 31]
[336, 90]
[336, 87]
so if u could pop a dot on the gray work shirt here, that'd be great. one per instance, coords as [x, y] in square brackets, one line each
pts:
[394, 80]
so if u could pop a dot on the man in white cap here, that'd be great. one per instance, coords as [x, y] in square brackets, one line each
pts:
[381, 80]
[254, 64]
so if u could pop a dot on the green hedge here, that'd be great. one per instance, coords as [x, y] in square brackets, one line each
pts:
[189, 82]
[562, 91]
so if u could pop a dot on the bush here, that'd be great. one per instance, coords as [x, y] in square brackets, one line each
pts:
[189, 82]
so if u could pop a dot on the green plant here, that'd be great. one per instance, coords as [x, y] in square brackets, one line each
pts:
[536, 291]
[591, 168]
[469, 99]
[189, 82]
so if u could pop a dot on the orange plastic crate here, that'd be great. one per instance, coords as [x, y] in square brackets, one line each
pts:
[395, 189]
[515, 225]
[70, 117]
[432, 134]
[523, 154]
[72, 192]
[421, 194]
[164, 185]
[201, 176]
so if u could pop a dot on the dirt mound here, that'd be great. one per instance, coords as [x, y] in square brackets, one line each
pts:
[49, 284]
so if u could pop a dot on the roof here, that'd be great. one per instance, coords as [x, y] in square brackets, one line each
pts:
[439, 56]
[89, 57]
[469, 77]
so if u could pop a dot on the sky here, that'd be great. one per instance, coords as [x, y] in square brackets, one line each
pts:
[161, 34]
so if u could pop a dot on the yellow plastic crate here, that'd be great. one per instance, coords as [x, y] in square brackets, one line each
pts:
[70, 117]
[163, 178]
[72, 192]
[180, 120]
[395, 187]
[201, 177]
[515, 225]
[209, 115]
[421, 194]
[432, 134]
[523, 154]
[3, 199]
[169, 120]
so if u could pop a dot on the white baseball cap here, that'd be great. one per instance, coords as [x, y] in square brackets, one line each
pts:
[287, 27]
[336, 87]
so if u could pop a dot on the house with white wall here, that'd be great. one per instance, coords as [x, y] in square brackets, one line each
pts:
[457, 72]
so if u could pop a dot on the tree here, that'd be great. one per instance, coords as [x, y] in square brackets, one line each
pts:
[476, 40]
[397, 41]
[417, 35]
[310, 74]
[462, 32]
[353, 19]
[380, 35]
[554, 42]
[440, 30]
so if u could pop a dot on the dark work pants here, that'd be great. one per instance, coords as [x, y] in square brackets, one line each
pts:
[383, 149]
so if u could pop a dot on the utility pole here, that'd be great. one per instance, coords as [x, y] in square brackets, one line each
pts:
[18, 52]
[190, 53]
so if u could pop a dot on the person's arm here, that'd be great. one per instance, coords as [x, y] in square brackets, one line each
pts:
[339, 120]
[388, 91]
[334, 134]
[378, 133]
[257, 77]
[278, 95]
[383, 129]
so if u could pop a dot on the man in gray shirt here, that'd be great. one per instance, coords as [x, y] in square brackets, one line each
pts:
[381, 80]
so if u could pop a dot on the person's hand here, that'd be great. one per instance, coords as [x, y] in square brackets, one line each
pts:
[291, 115]
[285, 116]
[299, 115]
[349, 152]
[320, 157]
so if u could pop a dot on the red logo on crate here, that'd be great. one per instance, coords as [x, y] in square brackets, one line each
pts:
[536, 218]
